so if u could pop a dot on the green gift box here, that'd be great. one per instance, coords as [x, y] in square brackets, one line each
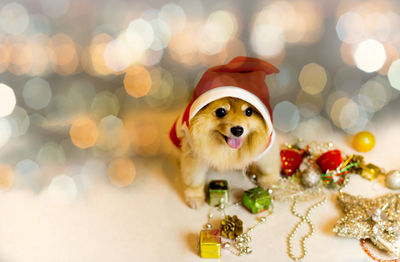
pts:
[218, 192]
[256, 200]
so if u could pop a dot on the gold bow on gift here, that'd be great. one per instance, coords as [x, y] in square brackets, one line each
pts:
[376, 219]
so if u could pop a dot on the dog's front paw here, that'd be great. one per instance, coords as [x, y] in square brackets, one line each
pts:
[194, 197]
[195, 202]
[266, 181]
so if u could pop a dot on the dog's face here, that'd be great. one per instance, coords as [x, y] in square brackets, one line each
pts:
[228, 132]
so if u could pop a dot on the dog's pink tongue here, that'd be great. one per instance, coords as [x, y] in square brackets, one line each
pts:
[234, 142]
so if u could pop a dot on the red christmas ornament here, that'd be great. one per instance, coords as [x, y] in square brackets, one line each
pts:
[329, 160]
[291, 160]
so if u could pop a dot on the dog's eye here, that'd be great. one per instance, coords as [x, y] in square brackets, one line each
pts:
[248, 111]
[220, 112]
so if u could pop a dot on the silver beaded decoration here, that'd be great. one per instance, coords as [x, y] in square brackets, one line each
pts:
[303, 219]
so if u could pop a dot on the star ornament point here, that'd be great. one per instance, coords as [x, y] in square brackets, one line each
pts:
[377, 219]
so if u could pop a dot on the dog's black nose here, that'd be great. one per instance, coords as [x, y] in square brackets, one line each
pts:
[237, 131]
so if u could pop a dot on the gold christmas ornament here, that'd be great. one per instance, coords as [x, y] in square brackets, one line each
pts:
[364, 141]
[375, 219]
[231, 227]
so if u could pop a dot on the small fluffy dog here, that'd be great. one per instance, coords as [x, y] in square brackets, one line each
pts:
[227, 134]
[227, 125]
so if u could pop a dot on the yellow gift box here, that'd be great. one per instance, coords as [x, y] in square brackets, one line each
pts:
[210, 243]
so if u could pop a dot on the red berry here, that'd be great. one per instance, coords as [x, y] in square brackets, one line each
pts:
[291, 160]
[329, 160]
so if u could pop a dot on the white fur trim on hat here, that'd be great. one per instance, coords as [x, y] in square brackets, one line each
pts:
[232, 91]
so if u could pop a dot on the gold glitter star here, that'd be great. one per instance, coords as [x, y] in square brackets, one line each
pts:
[377, 219]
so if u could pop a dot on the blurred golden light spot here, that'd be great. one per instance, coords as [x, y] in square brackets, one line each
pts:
[137, 52]
[86, 62]
[332, 98]
[235, 48]
[83, 132]
[344, 113]
[21, 57]
[144, 134]
[64, 55]
[96, 54]
[278, 59]
[370, 55]
[40, 58]
[267, 40]
[183, 49]
[139, 34]
[213, 60]
[137, 81]
[350, 27]
[394, 74]
[7, 100]
[162, 34]
[309, 12]
[104, 103]
[6, 176]
[312, 78]
[373, 96]
[378, 25]
[281, 14]
[300, 21]
[117, 55]
[220, 27]
[5, 51]
[174, 16]
[309, 105]
[121, 171]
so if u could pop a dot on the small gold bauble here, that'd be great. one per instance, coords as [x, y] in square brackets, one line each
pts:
[364, 141]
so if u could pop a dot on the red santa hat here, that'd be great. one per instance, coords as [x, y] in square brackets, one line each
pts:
[243, 78]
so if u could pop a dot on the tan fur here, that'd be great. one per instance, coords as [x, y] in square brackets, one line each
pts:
[207, 147]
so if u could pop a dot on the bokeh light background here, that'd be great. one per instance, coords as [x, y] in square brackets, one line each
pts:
[88, 89]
